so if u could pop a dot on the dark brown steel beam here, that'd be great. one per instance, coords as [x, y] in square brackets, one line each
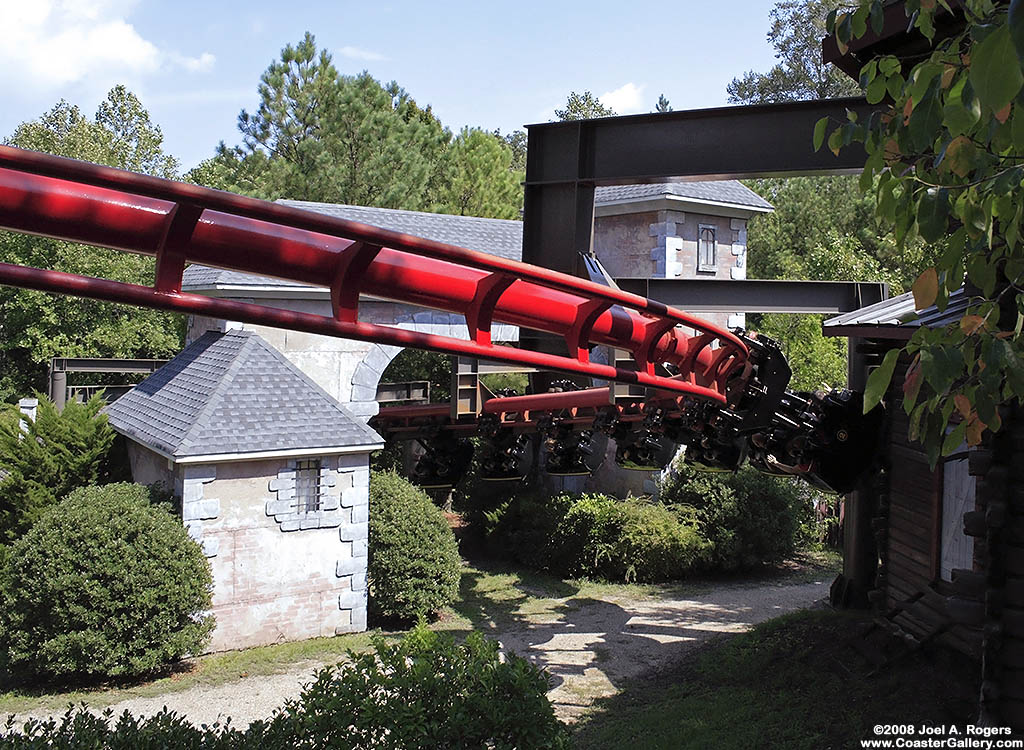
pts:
[566, 160]
[100, 364]
[701, 296]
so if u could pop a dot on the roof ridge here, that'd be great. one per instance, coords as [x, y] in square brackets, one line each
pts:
[316, 387]
[217, 395]
[458, 217]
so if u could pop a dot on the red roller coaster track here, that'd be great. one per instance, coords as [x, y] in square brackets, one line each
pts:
[180, 223]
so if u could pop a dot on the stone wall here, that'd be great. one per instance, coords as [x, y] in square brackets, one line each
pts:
[663, 244]
[278, 575]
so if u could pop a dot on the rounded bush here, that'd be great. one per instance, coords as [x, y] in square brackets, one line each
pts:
[597, 536]
[746, 518]
[424, 692]
[413, 567]
[103, 584]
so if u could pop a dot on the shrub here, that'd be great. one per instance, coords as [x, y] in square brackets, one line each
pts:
[425, 692]
[59, 452]
[597, 536]
[413, 565]
[746, 518]
[104, 584]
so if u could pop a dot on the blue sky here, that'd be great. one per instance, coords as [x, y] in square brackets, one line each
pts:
[195, 65]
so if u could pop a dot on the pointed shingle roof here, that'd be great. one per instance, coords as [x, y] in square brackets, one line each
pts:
[233, 393]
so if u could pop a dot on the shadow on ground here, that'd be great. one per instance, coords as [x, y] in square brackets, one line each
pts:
[592, 645]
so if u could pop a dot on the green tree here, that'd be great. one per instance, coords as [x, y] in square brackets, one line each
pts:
[583, 106]
[48, 457]
[321, 136]
[516, 140]
[481, 181]
[662, 105]
[946, 165]
[35, 326]
[797, 29]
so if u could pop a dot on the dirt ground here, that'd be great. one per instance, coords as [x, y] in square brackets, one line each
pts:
[590, 646]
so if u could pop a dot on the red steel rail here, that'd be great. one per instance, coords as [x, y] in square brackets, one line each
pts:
[180, 223]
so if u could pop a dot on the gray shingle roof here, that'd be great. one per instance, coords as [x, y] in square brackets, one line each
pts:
[896, 317]
[719, 191]
[234, 393]
[501, 237]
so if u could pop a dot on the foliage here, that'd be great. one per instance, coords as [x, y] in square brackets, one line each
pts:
[416, 364]
[516, 140]
[104, 584]
[596, 536]
[413, 565]
[946, 165]
[746, 518]
[480, 181]
[663, 104]
[58, 451]
[817, 361]
[424, 692]
[318, 135]
[34, 326]
[583, 106]
[796, 33]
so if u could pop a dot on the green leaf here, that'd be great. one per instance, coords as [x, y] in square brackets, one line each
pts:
[1016, 24]
[878, 380]
[877, 17]
[932, 211]
[876, 90]
[954, 439]
[888, 65]
[962, 110]
[819, 132]
[996, 70]
[926, 119]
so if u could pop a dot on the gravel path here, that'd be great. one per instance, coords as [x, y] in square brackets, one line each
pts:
[590, 647]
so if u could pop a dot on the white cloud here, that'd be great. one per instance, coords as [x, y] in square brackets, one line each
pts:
[47, 44]
[202, 64]
[625, 100]
[356, 53]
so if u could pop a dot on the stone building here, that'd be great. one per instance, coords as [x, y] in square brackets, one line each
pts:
[273, 474]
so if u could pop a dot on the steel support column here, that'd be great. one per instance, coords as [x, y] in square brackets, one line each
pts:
[566, 160]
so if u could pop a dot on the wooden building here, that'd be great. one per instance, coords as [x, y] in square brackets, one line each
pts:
[948, 542]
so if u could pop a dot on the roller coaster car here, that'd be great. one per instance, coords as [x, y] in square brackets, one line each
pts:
[444, 460]
[505, 457]
[644, 451]
[574, 453]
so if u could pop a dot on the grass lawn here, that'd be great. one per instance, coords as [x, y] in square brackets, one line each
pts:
[492, 597]
[782, 685]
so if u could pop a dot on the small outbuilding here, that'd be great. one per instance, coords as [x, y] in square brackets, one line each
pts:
[946, 562]
[273, 475]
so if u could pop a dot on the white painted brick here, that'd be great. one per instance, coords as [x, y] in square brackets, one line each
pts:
[191, 491]
[363, 392]
[352, 531]
[359, 581]
[352, 461]
[347, 566]
[360, 514]
[351, 600]
[211, 547]
[195, 529]
[190, 511]
[201, 472]
[209, 508]
[292, 525]
[310, 522]
[359, 618]
[737, 224]
[738, 273]
[361, 477]
[363, 409]
[286, 493]
[330, 519]
[330, 502]
[328, 478]
[359, 548]
[278, 507]
[738, 320]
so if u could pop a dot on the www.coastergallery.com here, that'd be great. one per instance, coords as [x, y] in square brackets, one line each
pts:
[910, 736]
